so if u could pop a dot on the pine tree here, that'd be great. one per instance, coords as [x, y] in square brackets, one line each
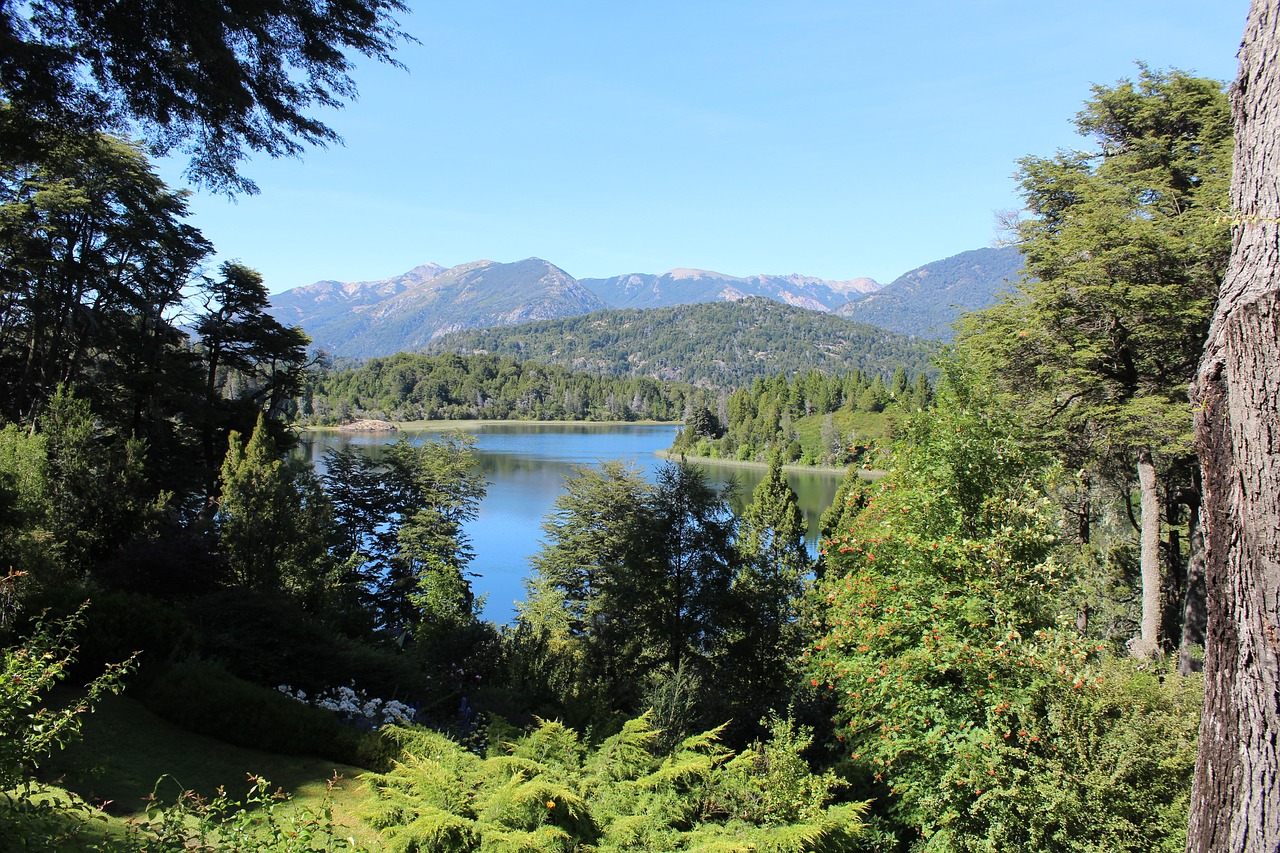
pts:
[764, 643]
[273, 519]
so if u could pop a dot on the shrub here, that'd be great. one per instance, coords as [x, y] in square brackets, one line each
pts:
[113, 626]
[29, 729]
[1111, 770]
[207, 699]
[270, 640]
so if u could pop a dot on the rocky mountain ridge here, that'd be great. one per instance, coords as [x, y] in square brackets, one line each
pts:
[409, 311]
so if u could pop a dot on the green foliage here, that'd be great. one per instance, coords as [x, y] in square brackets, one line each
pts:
[211, 82]
[546, 791]
[262, 821]
[408, 387]
[273, 519]
[720, 344]
[762, 644]
[963, 689]
[96, 264]
[29, 729]
[813, 418]
[645, 596]
[634, 577]
[398, 526]
[271, 640]
[399, 520]
[71, 495]
[1109, 768]
[116, 626]
[94, 256]
[1125, 249]
[206, 699]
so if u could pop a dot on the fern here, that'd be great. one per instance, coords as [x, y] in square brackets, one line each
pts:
[547, 793]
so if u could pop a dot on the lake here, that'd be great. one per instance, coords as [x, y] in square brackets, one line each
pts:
[525, 466]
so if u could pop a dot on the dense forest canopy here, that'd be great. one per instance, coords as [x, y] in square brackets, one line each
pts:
[721, 344]
[410, 387]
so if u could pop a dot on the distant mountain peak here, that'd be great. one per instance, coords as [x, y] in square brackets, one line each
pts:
[407, 311]
[688, 272]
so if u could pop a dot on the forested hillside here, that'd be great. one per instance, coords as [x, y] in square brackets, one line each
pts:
[723, 344]
[928, 300]
[487, 387]
[812, 418]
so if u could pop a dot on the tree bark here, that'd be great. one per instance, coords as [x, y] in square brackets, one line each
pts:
[1194, 615]
[1148, 644]
[1235, 801]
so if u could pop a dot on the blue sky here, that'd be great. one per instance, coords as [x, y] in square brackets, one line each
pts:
[835, 139]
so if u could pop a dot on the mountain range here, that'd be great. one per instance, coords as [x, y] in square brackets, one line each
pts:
[409, 311]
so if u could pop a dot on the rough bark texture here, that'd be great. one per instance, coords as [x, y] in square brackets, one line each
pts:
[1149, 643]
[1235, 804]
[1194, 615]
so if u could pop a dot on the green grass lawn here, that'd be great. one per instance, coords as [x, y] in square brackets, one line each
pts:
[867, 427]
[125, 749]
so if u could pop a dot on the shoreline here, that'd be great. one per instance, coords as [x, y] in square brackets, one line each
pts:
[864, 473]
[475, 423]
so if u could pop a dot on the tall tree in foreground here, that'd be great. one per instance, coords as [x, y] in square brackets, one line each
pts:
[1236, 794]
[762, 647]
[210, 79]
[1124, 251]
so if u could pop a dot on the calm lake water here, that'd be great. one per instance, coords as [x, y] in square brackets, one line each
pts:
[525, 466]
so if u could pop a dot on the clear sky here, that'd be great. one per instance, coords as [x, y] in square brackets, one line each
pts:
[835, 139]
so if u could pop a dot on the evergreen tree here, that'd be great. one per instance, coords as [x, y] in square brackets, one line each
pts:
[239, 340]
[1124, 251]
[208, 79]
[94, 260]
[273, 518]
[762, 649]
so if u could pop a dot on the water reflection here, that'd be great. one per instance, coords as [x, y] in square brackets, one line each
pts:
[526, 464]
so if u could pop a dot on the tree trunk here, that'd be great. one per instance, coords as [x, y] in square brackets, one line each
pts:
[1193, 608]
[1148, 644]
[1235, 799]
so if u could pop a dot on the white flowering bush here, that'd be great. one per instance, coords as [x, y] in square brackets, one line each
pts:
[356, 707]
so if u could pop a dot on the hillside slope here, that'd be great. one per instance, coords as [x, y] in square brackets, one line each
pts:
[927, 300]
[725, 344]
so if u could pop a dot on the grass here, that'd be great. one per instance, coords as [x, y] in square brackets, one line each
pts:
[867, 427]
[125, 749]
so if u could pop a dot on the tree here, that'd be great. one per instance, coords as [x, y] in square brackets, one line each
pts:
[237, 337]
[593, 545]
[1124, 250]
[398, 529]
[693, 543]
[642, 576]
[762, 647]
[273, 518]
[1236, 794]
[436, 489]
[94, 259]
[211, 79]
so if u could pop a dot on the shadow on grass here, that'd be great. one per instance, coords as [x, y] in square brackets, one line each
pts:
[124, 749]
